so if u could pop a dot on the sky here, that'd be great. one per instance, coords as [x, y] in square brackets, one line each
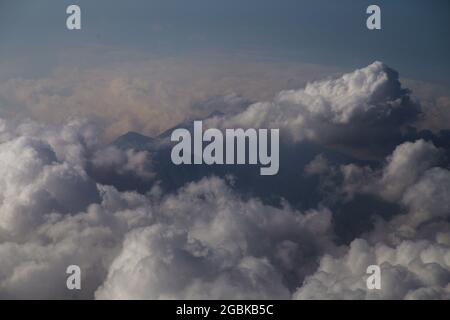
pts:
[414, 35]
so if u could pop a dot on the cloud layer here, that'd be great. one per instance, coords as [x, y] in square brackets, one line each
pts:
[148, 95]
[211, 238]
[412, 249]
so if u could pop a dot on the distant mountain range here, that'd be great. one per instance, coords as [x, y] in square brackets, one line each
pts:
[300, 190]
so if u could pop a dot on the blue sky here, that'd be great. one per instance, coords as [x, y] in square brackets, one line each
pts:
[414, 39]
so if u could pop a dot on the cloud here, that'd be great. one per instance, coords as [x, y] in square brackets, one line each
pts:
[54, 214]
[147, 95]
[412, 248]
[213, 239]
[113, 159]
[402, 169]
[34, 265]
[410, 270]
[435, 103]
[410, 177]
[35, 183]
[365, 107]
[213, 245]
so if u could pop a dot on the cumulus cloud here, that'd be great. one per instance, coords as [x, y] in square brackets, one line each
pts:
[35, 183]
[361, 108]
[209, 243]
[411, 177]
[114, 159]
[208, 239]
[54, 214]
[410, 270]
[412, 249]
[402, 169]
[34, 265]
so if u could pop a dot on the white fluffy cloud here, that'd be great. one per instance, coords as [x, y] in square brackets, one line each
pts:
[402, 168]
[122, 162]
[205, 240]
[362, 107]
[412, 249]
[208, 243]
[34, 183]
[411, 177]
[409, 270]
[34, 265]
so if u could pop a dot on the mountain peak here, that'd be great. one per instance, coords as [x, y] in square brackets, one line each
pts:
[133, 140]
